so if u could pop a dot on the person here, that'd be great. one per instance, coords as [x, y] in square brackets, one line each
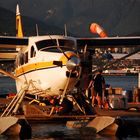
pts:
[97, 84]
[62, 109]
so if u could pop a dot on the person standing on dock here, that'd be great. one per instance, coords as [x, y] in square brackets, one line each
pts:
[98, 88]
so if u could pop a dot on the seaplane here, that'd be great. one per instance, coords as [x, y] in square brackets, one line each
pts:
[50, 66]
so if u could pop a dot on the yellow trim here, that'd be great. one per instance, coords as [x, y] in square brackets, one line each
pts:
[34, 66]
[19, 32]
[64, 58]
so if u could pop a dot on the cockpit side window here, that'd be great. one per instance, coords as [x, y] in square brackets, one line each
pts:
[33, 52]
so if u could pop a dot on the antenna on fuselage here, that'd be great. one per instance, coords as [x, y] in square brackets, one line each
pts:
[65, 27]
[37, 30]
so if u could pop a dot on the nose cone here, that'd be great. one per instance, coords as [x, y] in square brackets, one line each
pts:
[73, 63]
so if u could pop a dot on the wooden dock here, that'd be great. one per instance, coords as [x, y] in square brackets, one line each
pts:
[36, 112]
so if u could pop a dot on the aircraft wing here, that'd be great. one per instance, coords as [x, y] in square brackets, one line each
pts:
[8, 46]
[12, 42]
[9, 55]
[108, 42]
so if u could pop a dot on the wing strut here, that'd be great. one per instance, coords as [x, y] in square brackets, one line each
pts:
[116, 61]
[8, 74]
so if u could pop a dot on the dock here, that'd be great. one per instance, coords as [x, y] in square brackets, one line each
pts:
[36, 111]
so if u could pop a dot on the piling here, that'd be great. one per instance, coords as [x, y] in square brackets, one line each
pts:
[139, 80]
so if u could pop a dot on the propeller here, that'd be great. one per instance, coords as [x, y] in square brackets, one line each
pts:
[65, 90]
[59, 48]
[72, 63]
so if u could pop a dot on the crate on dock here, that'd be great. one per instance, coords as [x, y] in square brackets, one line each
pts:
[117, 101]
[116, 90]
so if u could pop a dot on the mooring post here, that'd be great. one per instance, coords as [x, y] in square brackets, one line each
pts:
[139, 80]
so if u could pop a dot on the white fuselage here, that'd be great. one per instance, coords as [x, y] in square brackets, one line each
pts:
[39, 67]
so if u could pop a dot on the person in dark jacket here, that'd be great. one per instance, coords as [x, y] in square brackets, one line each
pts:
[98, 88]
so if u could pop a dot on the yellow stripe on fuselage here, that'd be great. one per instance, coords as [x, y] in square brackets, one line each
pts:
[32, 67]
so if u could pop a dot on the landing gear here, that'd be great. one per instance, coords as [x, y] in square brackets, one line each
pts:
[84, 104]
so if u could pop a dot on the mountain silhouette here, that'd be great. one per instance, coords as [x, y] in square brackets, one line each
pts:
[118, 18]
[8, 25]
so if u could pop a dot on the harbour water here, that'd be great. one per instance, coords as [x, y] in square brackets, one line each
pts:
[59, 131]
[7, 85]
[125, 82]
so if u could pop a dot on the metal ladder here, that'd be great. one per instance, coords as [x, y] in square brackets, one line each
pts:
[13, 107]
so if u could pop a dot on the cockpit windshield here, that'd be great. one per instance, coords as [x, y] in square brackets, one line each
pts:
[46, 43]
[54, 45]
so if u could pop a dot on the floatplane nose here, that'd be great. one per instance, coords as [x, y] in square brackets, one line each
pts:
[73, 63]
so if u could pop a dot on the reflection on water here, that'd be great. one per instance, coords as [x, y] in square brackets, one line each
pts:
[55, 131]
[59, 131]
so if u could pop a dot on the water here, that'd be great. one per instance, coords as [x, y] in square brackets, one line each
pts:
[59, 131]
[126, 82]
[7, 85]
